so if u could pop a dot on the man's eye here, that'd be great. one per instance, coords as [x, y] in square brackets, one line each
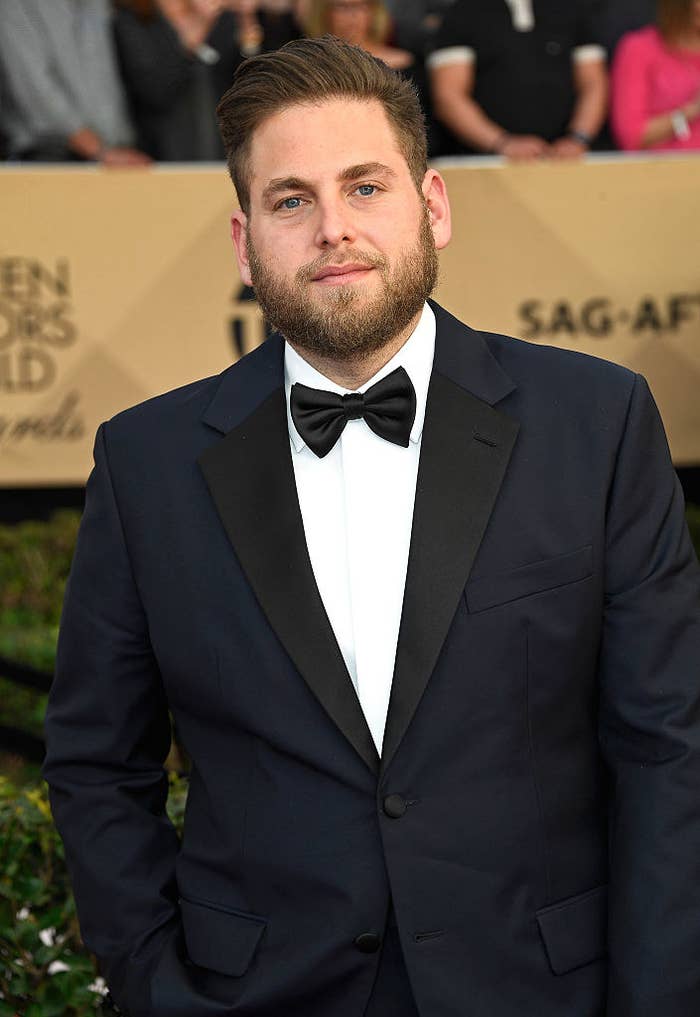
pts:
[290, 204]
[366, 190]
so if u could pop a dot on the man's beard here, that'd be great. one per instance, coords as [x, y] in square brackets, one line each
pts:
[340, 325]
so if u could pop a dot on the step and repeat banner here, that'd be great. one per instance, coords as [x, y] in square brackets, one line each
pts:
[118, 285]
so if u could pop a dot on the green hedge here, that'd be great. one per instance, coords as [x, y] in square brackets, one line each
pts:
[45, 970]
[34, 562]
[692, 514]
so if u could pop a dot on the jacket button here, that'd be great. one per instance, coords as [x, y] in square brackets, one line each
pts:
[394, 806]
[368, 942]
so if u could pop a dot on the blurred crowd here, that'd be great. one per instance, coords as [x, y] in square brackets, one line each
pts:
[127, 82]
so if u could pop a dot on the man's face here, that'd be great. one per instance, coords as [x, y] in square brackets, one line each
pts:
[339, 245]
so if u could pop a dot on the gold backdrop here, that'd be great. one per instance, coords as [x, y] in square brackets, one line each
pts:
[118, 285]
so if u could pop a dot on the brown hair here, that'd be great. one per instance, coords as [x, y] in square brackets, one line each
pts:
[316, 21]
[308, 71]
[145, 9]
[673, 17]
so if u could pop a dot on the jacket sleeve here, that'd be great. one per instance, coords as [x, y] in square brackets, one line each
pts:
[108, 734]
[37, 91]
[650, 729]
[630, 92]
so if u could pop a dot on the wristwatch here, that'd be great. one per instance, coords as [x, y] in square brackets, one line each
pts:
[679, 122]
[582, 137]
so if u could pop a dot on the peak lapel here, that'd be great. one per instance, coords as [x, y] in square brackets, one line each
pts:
[465, 450]
[250, 475]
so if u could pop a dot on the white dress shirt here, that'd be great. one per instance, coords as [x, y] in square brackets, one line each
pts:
[357, 509]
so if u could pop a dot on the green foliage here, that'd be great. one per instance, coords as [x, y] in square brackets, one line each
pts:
[45, 970]
[35, 559]
[21, 707]
[693, 517]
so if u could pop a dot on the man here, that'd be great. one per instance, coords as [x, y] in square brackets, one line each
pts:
[423, 605]
[62, 97]
[525, 79]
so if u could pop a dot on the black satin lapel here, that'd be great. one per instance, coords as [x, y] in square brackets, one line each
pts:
[251, 479]
[465, 450]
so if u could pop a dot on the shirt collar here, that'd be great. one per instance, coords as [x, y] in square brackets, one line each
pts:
[415, 356]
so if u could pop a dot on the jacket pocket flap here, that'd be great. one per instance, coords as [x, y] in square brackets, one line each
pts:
[220, 939]
[488, 591]
[574, 931]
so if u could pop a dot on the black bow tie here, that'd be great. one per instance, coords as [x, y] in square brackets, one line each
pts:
[388, 408]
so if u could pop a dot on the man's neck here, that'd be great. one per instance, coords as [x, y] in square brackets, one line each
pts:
[354, 373]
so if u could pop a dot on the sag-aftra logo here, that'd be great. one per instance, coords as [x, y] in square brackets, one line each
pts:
[600, 318]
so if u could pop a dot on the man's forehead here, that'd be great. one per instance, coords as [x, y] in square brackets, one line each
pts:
[324, 138]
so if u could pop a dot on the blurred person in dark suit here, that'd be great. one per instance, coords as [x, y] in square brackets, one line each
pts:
[417, 21]
[263, 25]
[278, 23]
[656, 82]
[520, 79]
[178, 57]
[63, 98]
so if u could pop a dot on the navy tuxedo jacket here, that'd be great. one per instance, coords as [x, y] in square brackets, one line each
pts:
[535, 814]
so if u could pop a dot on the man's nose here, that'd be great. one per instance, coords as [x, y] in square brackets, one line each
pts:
[335, 224]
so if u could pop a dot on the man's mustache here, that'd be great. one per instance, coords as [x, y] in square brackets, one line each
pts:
[308, 272]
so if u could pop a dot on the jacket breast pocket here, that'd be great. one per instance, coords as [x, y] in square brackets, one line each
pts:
[574, 931]
[218, 938]
[484, 592]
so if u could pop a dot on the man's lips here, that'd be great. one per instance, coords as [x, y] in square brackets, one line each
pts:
[340, 273]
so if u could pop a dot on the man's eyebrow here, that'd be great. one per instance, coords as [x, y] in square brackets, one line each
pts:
[279, 185]
[366, 169]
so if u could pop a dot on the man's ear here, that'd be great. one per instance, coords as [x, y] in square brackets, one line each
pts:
[239, 235]
[435, 193]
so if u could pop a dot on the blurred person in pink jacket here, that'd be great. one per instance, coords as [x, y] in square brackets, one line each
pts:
[656, 82]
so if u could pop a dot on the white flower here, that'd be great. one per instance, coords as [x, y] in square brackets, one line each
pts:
[99, 986]
[48, 936]
[23, 914]
[57, 967]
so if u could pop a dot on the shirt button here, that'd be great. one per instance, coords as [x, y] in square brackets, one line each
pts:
[394, 806]
[368, 942]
